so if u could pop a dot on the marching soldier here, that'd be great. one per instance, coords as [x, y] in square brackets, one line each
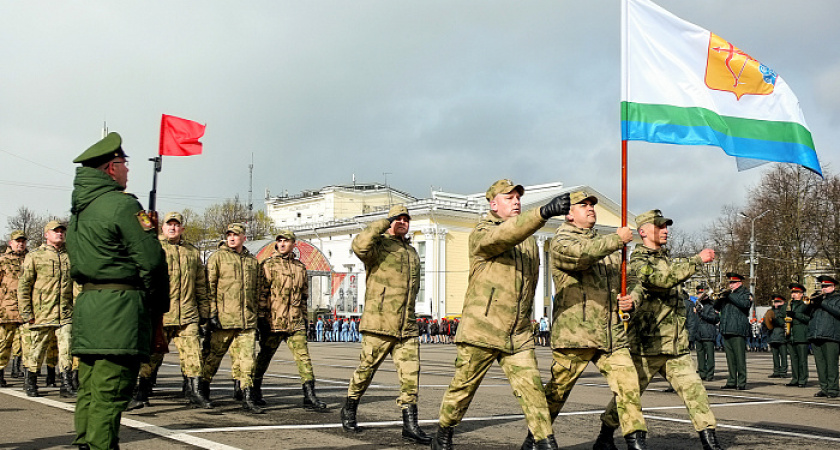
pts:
[10, 321]
[658, 337]
[389, 323]
[496, 320]
[282, 317]
[796, 321]
[234, 280]
[775, 322]
[587, 326]
[707, 323]
[122, 269]
[824, 334]
[45, 298]
[734, 307]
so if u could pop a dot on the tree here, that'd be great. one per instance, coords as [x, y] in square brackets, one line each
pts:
[31, 223]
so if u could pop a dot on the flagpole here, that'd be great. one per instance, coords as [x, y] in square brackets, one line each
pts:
[625, 317]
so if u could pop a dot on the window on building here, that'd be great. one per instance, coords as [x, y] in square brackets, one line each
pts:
[421, 251]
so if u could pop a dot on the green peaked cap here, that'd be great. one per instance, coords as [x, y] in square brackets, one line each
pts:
[101, 152]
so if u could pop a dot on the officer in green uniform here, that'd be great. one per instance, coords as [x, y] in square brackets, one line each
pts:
[389, 322]
[117, 259]
[824, 334]
[778, 340]
[657, 333]
[734, 307]
[796, 321]
[11, 325]
[707, 331]
[498, 305]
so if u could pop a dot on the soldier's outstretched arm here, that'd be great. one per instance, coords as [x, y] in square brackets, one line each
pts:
[581, 254]
[490, 241]
[664, 276]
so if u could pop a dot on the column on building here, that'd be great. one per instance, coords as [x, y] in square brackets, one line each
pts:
[430, 270]
[441, 270]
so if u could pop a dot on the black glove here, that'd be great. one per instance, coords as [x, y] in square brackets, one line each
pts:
[789, 313]
[214, 323]
[558, 206]
[817, 300]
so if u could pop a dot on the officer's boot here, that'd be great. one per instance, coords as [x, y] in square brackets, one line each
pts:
[529, 443]
[605, 439]
[30, 384]
[411, 430]
[2, 379]
[140, 398]
[50, 380]
[248, 401]
[443, 438]
[237, 390]
[310, 400]
[547, 444]
[66, 390]
[709, 440]
[257, 392]
[17, 370]
[636, 440]
[348, 415]
[194, 393]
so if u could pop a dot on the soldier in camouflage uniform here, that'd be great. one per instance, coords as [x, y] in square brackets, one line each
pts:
[282, 317]
[188, 303]
[234, 281]
[658, 337]
[45, 299]
[797, 320]
[587, 326]
[389, 323]
[10, 321]
[496, 319]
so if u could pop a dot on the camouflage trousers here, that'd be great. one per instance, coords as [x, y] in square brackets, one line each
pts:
[185, 338]
[43, 340]
[297, 345]
[681, 372]
[9, 339]
[242, 355]
[617, 367]
[406, 356]
[472, 364]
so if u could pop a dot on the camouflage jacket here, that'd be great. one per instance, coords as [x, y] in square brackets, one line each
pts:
[188, 301]
[586, 269]
[504, 268]
[657, 327]
[734, 310]
[233, 284]
[10, 265]
[45, 289]
[392, 281]
[284, 293]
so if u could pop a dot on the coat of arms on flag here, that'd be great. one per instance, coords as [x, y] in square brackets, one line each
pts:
[728, 68]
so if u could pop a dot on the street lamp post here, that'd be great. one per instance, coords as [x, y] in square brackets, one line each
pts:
[752, 249]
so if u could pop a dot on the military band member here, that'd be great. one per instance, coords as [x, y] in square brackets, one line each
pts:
[10, 321]
[796, 321]
[283, 316]
[778, 341]
[389, 323]
[824, 335]
[707, 330]
[734, 306]
[498, 305]
[658, 337]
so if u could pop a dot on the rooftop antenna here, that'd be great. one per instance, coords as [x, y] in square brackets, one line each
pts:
[387, 188]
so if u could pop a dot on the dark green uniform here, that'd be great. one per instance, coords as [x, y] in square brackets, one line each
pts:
[707, 322]
[778, 342]
[735, 327]
[798, 342]
[115, 257]
[824, 335]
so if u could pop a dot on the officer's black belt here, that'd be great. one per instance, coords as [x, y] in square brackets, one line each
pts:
[111, 286]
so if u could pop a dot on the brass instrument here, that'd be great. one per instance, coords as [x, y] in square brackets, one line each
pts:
[769, 317]
[788, 320]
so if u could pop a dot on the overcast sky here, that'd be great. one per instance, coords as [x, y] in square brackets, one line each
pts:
[452, 94]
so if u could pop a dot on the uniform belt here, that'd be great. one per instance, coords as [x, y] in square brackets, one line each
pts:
[112, 286]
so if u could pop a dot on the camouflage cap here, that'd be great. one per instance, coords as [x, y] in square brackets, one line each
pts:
[503, 187]
[53, 224]
[398, 210]
[235, 228]
[286, 234]
[17, 234]
[653, 216]
[579, 196]
[173, 215]
[101, 152]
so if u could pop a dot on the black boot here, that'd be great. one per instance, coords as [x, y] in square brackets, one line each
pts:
[204, 388]
[17, 368]
[529, 443]
[185, 387]
[75, 380]
[605, 439]
[411, 431]
[142, 391]
[50, 379]
[66, 390]
[310, 401]
[636, 440]
[709, 440]
[248, 401]
[30, 383]
[2, 379]
[257, 392]
[547, 444]
[194, 393]
[237, 390]
[443, 438]
[348, 415]
[153, 378]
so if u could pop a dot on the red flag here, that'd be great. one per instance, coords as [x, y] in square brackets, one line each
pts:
[179, 137]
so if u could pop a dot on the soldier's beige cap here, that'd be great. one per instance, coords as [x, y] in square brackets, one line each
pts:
[101, 152]
[17, 234]
[235, 228]
[398, 210]
[173, 215]
[653, 216]
[286, 234]
[53, 224]
[580, 196]
[503, 187]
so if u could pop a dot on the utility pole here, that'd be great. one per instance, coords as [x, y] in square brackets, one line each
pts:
[752, 249]
[387, 188]
[250, 198]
